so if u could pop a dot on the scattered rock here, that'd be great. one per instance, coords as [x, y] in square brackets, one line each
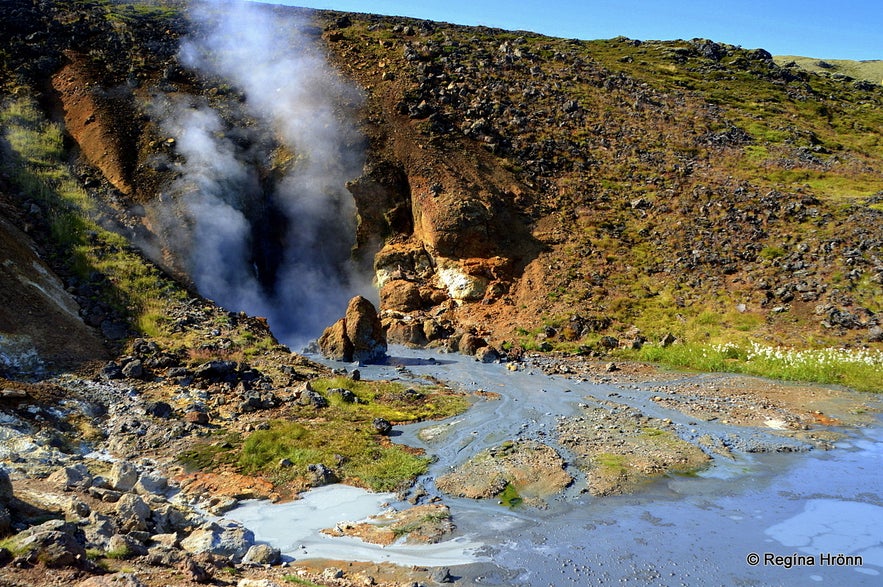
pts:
[114, 580]
[53, 549]
[123, 476]
[320, 475]
[262, 554]
[382, 426]
[487, 354]
[469, 344]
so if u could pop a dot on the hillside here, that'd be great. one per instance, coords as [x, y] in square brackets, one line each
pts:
[188, 194]
[540, 192]
[870, 70]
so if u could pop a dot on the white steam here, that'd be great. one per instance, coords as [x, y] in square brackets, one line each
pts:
[235, 201]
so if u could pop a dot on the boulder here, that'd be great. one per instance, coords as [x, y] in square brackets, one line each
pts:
[67, 478]
[358, 336]
[345, 395]
[262, 554]
[159, 409]
[406, 333]
[99, 530]
[224, 538]
[314, 398]
[487, 354]
[320, 475]
[53, 549]
[124, 546]
[400, 295]
[123, 476]
[132, 513]
[5, 487]
[364, 331]
[216, 371]
[334, 343]
[152, 483]
[196, 417]
[133, 369]
[469, 344]
[382, 426]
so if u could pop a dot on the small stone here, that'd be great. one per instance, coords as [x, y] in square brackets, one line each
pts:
[382, 426]
[196, 417]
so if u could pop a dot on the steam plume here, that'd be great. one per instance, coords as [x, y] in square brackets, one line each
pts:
[261, 231]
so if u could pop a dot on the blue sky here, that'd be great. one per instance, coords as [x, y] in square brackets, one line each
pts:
[849, 29]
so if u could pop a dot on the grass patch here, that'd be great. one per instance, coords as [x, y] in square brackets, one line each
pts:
[211, 455]
[392, 400]
[299, 581]
[351, 449]
[611, 463]
[859, 369]
[510, 498]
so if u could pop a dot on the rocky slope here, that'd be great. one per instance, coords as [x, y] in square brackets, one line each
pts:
[515, 182]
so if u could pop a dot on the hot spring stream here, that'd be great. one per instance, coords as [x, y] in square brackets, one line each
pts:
[813, 517]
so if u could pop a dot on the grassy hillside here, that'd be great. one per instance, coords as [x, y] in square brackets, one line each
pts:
[869, 70]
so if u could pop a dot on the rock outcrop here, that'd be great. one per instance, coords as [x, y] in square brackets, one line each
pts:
[358, 336]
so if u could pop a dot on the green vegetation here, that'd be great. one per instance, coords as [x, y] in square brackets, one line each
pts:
[36, 163]
[869, 70]
[430, 519]
[298, 581]
[363, 461]
[510, 497]
[859, 369]
[612, 464]
[343, 438]
[391, 400]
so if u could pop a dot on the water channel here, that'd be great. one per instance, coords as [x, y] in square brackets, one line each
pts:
[792, 518]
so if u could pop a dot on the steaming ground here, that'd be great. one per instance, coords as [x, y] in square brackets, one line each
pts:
[259, 216]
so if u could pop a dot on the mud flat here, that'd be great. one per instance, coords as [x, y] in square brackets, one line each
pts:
[696, 498]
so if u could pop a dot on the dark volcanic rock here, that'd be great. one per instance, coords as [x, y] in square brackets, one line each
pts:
[382, 426]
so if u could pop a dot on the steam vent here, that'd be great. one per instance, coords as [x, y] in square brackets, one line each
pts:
[358, 336]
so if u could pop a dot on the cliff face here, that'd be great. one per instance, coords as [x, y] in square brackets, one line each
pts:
[519, 187]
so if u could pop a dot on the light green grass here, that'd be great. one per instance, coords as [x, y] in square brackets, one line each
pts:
[364, 461]
[870, 70]
[858, 369]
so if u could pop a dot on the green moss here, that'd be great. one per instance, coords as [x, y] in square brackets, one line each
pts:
[611, 463]
[298, 581]
[509, 497]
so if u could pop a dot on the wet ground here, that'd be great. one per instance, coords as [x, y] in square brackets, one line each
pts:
[807, 514]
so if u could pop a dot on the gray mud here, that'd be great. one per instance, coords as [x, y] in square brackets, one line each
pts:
[771, 495]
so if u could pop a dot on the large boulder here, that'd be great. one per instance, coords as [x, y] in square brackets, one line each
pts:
[364, 330]
[358, 336]
[223, 538]
[334, 343]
